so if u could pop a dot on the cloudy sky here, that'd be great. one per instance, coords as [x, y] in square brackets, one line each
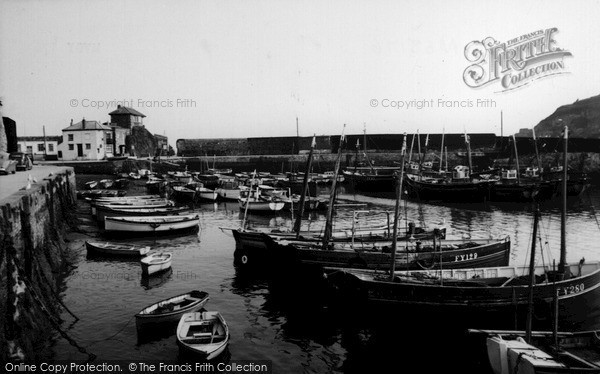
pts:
[209, 69]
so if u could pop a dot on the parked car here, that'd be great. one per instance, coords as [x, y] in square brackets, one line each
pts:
[7, 166]
[22, 159]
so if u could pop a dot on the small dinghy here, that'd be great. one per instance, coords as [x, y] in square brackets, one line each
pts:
[151, 223]
[203, 334]
[116, 249]
[91, 185]
[171, 309]
[156, 262]
[106, 183]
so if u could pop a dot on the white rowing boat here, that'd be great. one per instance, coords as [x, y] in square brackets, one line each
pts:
[107, 248]
[156, 262]
[203, 333]
[171, 309]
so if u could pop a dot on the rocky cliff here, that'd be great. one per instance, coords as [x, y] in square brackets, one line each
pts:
[582, 117]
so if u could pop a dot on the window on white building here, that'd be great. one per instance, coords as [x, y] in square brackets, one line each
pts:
[51, 147]
[88, 146]
[71, 147]
[70, 137]
[40, 147]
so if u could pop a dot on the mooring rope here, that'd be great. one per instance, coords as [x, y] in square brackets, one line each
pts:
[56, 296]
[51, 318]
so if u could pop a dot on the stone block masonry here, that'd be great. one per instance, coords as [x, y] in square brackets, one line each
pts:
[32, 257]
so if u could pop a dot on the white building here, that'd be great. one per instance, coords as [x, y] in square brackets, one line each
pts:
[85, 140]
[39, 147]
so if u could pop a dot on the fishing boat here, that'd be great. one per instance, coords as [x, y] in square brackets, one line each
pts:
[230, 190]
[478, 291]
[156, 262]
[183, 193]
[96, 194]
[170, 310]
[253, 201]
[131, 204]
[370, 178]
[104, 211]
[106, 248]
[204, 334]
[151, 223]
[106, 183]
[206, 194]
[91, 185]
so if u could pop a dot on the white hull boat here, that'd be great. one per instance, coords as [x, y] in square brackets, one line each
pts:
[156, 262]
[203, 333]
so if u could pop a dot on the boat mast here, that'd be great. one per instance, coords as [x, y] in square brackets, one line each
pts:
[563, 216]
[442, 148]
[537, 154]
[248, 199]
[397, 209]
[516, 158]
[365, 147]
[528, 327]
[419, 150]
[328, 223]
[468, 144]
[298, 222]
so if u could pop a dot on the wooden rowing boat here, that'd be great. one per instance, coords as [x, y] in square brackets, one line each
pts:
[170, 310]
[151, 223]
[107, 248]
[203, 333]
[156, 262]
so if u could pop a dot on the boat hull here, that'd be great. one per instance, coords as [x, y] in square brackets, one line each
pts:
[469, 292]
[152, 225]
[115, 249]
[155, 264]
[144, 319]
[254, 249]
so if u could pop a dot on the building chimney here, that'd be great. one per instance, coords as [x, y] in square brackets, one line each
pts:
[83, 123]
[118, 106]
[71, 121]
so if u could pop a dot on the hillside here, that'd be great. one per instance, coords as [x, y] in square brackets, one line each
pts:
[582, 117]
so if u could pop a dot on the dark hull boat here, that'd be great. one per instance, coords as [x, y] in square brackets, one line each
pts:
[448, 191]
[171, 309]
[375, 179]
[502, 191]
[469, 291]
[262, 251]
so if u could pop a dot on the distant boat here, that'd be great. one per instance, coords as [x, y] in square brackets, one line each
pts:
[106, 183]
[96, 194]
[203, 333]
[102, 212]
[134, 176]
[184, 193]
[107, 248]
[156, 262]
[91, 185]
[151, 223]
[206, 193]
[230, 190]
[171, 309]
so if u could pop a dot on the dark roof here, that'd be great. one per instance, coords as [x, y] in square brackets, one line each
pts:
[89, 125]
[125, 110]
[160, 136]
[38, 138]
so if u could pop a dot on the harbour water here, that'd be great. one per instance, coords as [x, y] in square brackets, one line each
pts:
[285, 324]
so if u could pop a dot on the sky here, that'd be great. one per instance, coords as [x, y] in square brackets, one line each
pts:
[236, 69]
